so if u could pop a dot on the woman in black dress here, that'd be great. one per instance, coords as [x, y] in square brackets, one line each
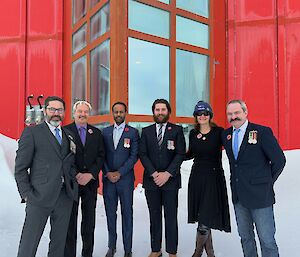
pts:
[207, 193]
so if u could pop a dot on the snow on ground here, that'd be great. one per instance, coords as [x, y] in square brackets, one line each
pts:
[287, 213]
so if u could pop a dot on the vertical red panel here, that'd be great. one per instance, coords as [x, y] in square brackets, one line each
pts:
[44, 47]
[252, 58]
[12, 66]
[288, 72]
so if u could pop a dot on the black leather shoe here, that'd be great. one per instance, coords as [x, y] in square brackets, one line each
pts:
[110, 252]
[128, 254]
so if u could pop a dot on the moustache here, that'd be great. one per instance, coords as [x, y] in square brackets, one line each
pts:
[235, 119]
[82, 116]
[55, 116]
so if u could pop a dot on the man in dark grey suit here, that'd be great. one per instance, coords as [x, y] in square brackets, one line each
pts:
[45, 176]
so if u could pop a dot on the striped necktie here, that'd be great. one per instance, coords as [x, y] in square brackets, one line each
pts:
[159, 136]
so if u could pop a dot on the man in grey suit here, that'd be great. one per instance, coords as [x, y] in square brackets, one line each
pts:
[45, 176]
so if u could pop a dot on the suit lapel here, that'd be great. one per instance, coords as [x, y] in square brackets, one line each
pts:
[89, 135]
[229, 136]
[53, 141]
[111, 137]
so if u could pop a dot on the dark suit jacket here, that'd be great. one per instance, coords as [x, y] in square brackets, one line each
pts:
[122, 158]
[41, 163]
[89, 158]
[162, 158]
[257, 167]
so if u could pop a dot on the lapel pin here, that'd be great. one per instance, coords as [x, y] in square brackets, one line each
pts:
[228, 137]
[90, 131]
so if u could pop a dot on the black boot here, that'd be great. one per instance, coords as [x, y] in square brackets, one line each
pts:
[200, 242]
[209, 246]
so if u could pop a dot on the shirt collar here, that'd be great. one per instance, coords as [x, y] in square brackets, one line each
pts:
[243, 127]
[121, 126]
[78, 126]
[51, 127]
[163, 124]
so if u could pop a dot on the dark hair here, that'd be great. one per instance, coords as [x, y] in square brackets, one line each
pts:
[121, 103]
[54, 98]
[197, 125]
[161, 101]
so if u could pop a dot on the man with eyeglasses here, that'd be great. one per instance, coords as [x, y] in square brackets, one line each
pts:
[45, 175]
[89, 159]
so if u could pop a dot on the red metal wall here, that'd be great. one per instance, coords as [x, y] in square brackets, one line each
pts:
[30, 57]
[263, 42]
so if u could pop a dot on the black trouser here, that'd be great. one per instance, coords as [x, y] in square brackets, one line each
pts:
[168, 199]
[88, 196]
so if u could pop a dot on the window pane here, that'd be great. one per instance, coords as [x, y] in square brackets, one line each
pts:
[79, 10]
[100, 22]
[148, 75]
[93, 3]
[79, 79]
[200, 7]
[79, 39]
[192, 81]
[139, 125]
[192, 32]
[100, 83]
[165, 1]
[148, 19]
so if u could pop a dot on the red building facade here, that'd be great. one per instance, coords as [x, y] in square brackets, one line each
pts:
[254, 55]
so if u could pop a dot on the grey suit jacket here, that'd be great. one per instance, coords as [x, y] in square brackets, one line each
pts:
[43, 166]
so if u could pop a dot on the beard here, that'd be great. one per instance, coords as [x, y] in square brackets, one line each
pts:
[53, 122]
[161, 118]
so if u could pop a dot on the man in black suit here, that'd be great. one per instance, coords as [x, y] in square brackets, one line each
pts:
[45, 176]
[162, 150]
[256, 161]
[89, 159]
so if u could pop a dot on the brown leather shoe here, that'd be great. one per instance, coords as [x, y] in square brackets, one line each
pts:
[110, 252]
[155, 254]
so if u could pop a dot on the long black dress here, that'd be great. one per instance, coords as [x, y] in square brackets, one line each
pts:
[207, 193]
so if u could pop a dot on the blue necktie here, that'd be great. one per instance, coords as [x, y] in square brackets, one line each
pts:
[236, 143]
[57, 135]
[82, 134]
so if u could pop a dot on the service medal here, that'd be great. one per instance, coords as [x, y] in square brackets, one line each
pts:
[127, 142]
[170, 145]
[252, 138]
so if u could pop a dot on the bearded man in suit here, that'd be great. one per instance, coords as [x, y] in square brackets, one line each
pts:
[162, 151]
[45, 176]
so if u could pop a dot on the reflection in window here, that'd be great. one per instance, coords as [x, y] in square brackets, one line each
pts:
[186, 131]
[79, 79]
[200, 7]
[192, 81]
[93, 3]
[79, 10]
[148, 75]
[100, 22]
[148, 19]
[100, 86]
[139, 125]
[79, 39]
[192, 32]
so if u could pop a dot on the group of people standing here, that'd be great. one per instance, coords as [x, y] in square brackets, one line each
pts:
[58, 166]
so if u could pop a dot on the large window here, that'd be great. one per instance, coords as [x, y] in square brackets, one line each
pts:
[91, 54]
[148, 75]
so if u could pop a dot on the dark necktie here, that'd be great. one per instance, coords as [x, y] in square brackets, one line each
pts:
[82, 134]
[159, 136]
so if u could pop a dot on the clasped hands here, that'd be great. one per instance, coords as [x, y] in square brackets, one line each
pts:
[161, 178]
[84, 178]
[113, 176]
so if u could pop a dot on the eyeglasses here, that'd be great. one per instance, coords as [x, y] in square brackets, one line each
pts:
[205, 113]
[53, 110]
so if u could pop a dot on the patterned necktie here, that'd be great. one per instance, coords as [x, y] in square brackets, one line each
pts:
[82, 134]
[57, 135]
[159, 136]
[236, 143]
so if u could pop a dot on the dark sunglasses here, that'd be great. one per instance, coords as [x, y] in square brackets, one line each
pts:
[205, 113]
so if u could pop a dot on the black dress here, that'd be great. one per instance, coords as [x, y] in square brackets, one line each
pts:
[207, 193]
